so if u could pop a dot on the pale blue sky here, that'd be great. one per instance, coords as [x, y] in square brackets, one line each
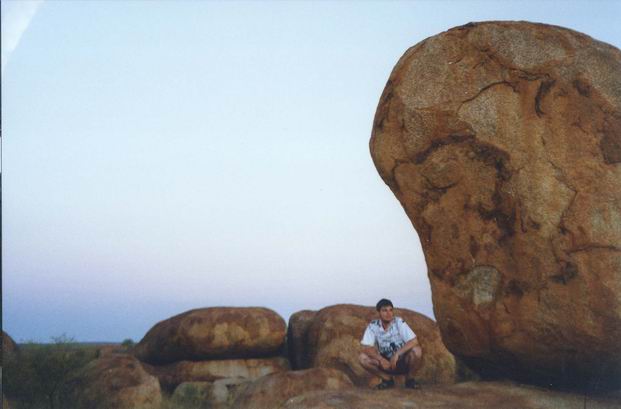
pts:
[162, 156]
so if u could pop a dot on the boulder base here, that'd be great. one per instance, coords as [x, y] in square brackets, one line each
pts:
[207, 371]
[209, 395]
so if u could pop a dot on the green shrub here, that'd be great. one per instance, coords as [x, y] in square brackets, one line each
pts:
[37, 377]
[128, 343]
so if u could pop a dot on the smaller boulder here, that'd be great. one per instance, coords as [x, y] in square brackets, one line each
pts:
[333, 341]
[115, 381]
[214, 333]
[272, 391]
[8, 345]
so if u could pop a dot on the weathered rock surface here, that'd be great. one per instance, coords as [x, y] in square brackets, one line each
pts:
[219, 394]
[272, 391]
[333, 341]
[502, 141]
[115, 381]
[469, 395]
[297, 329]
[206, 371]
[8, 345]
[214, 333]
[195, 395]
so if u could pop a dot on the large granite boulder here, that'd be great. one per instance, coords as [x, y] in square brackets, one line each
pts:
[272, 391]
[333, 341]
[206, 371]
[502, 141]
[115, 381]
[213, 333]
[469, 395]
[297, 330]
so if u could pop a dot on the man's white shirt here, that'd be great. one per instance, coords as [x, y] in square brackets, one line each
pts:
[387, 341]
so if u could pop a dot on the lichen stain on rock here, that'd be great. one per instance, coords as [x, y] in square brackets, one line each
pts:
[479, 286]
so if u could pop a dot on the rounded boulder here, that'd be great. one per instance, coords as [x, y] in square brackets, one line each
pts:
[214, 333]
[334, 335]
[273, 391]
[115, 381]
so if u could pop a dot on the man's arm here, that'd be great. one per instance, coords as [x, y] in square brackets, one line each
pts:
[408, 347]
[373, 353]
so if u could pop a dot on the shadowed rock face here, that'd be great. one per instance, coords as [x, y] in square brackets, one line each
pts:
[200, 371]
[213, 333]
[502, 141]
[468, 395]
[333, 341]
[297, 330]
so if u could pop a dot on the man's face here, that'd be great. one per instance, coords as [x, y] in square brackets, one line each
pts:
[385, 313]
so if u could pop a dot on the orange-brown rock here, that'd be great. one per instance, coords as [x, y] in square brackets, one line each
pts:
[469, 395]
[115, 381]
[297, 329]
[8, 345]
[214, 333]
[220, 394]
[206, 371]
[333, 341]
[502, 141]
[273, 391]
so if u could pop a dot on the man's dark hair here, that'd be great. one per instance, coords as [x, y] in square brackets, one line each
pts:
[382, 303]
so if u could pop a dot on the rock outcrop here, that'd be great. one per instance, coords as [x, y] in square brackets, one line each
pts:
[115, 381]
[213, 333]
[272, 391]
[211, 344]
[469, 395]
[333, 341]
[502, 141]
[8, 344]
[207, 371]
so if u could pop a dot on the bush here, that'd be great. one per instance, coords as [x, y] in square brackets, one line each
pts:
[38, 376]
[128, 344]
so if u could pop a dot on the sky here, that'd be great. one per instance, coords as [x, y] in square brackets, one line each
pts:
[161, 156]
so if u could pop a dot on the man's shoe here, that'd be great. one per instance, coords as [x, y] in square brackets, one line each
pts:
[411, 384]
[385, 384]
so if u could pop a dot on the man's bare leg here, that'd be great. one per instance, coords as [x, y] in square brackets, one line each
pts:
[413, 361]
[373, 366]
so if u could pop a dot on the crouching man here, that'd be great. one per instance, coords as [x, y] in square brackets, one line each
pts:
[390, 347]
